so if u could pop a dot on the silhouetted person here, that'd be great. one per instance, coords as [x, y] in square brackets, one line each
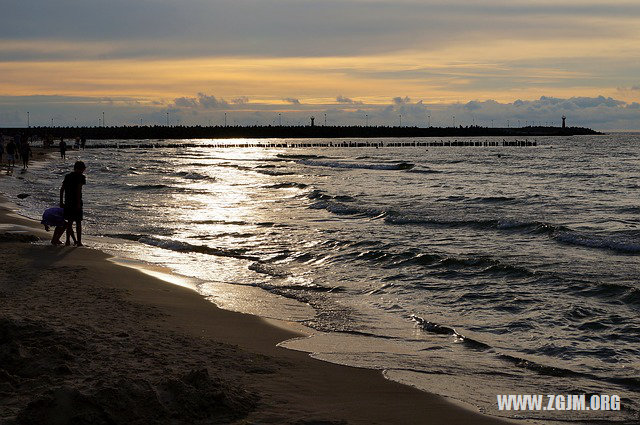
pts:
[83, 142]
[25, 154]
[71, 194]
[63, 149]
[55, 217]
[11, 153]
[17, 140]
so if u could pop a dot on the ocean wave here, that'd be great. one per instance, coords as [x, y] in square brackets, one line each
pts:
[230, 223]
[611, 290]
[223, 235]
[492, 199]
[179, 246]
[629, 210]
[532, 227]
[629, 244]
[423, 171]
[481, 265]
[613, 243]
[329, 203]
[404, 219]
[541, 368]
[309, 287]
[579, 312]
[306, 292]
[268, 269]
[431, 327]
[298, 156]
[231, 165]
[339, 208]
[194, 176]
[632, 297]
[127, 236]
[319, 194]
[270, 172]
[519, 362]
[435, 328]
[147, 186]
[287, 185]
[370, 166]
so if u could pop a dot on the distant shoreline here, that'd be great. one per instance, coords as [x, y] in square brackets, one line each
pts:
[289, 132]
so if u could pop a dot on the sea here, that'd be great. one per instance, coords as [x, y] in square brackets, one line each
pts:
[470, 272]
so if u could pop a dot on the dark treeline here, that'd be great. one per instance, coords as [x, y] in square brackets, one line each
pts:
[284, 132]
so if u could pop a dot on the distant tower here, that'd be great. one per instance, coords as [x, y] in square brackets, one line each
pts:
[313, 119]
[564, 122]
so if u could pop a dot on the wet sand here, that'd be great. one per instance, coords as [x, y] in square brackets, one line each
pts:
[87, 341]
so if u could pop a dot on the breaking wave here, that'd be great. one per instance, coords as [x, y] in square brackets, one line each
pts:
[369, 166]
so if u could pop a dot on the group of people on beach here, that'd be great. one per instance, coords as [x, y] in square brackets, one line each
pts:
[81, 143]
[18, 147]
[69, 210]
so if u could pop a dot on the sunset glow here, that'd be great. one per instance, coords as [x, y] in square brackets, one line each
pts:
[328, 57]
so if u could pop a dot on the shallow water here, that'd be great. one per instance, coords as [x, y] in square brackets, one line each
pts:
[469, 272]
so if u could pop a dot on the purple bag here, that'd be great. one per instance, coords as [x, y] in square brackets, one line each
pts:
[53, 217]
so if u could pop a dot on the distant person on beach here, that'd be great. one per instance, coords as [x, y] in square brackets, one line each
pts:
[11, 153]
[25, 154]
[55, 217]
[71, 200]
[17, 140]
[48, 141]
[63, 149]
[1, 148]
[83, 142]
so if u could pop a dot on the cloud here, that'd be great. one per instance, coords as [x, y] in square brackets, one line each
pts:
[292, 100]
[241, 100]
[629, 92]
[342, 99]
[186, 102]
[294, 28]
[401, 100]
[473, 105]
[201, 101]
[210, 102]
[364, 48]
[598, 112]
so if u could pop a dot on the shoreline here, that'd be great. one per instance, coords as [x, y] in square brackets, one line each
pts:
[121, 335]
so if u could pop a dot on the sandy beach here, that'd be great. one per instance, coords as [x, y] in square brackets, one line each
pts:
[87, 341]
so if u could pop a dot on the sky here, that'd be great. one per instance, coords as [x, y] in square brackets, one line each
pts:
[381, 62]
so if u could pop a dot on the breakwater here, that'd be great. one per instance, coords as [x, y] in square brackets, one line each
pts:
[285, 132]
[289, 144]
